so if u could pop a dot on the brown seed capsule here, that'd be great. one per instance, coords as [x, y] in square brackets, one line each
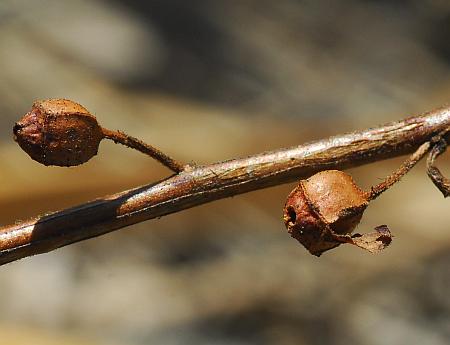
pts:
[62, 132]
[322, 211]
[322, 208]
[58, 132]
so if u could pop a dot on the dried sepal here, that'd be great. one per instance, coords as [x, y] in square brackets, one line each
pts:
[322, 212]
[374, 242]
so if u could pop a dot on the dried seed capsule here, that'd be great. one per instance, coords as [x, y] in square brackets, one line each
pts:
[328, 200]
[58, 132]
[337, 199]
[322, 211]
[62, 132]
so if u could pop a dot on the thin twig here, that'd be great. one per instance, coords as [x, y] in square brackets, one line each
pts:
[392, 179]
[204, 184]
[129, 141]
[441, 182]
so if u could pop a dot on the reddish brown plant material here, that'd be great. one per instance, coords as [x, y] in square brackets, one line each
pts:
[63, 133]
[58, 132]
[323, 210]
[203, 184]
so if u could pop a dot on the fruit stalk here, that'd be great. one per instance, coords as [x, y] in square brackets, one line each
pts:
[121, 138]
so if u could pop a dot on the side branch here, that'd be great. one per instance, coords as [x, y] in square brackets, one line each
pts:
[199, 185]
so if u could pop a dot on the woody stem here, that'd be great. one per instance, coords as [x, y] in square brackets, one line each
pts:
[204, 184]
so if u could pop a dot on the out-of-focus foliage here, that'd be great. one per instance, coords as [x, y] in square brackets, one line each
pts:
[207, 81]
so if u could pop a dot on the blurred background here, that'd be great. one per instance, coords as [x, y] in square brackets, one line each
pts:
[208, 81]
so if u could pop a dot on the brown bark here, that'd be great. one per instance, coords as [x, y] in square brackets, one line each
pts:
[199, 185]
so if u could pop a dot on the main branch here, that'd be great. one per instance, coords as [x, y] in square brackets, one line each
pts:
[198, 185]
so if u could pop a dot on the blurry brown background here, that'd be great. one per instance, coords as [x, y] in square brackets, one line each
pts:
[208, 81]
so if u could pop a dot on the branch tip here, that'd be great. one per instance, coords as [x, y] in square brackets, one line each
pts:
[436, 176]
